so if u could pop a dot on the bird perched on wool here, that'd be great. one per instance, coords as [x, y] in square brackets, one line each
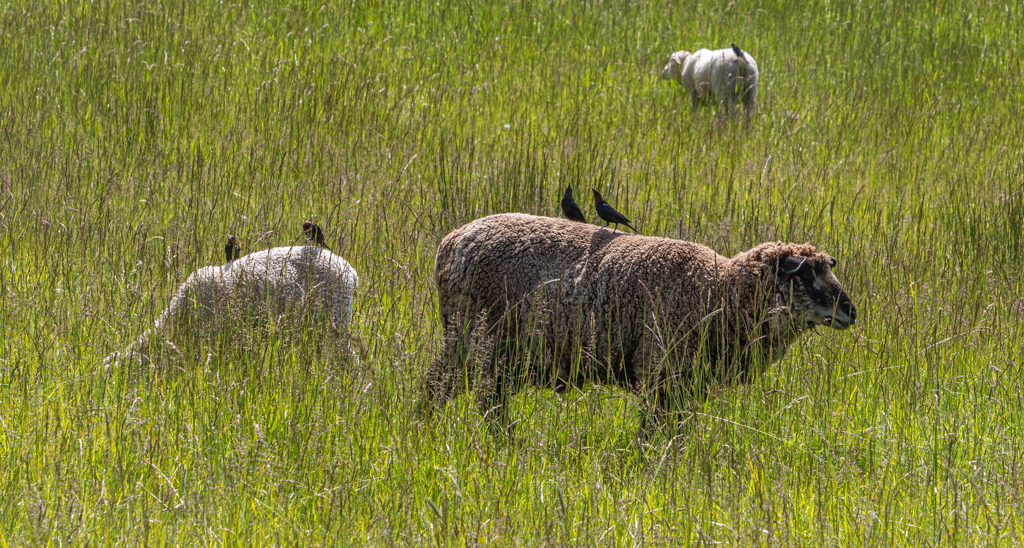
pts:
[313, 233]
[736, 49]
[607, 213]
[569, 207]
[232, 250]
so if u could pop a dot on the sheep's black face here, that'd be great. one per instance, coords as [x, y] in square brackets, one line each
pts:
[814, 295]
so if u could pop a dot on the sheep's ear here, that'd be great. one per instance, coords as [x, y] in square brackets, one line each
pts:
[790, 264]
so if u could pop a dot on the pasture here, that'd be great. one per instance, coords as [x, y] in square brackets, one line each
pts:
[135, 138]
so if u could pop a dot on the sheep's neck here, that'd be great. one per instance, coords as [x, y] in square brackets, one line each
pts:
[754, 331]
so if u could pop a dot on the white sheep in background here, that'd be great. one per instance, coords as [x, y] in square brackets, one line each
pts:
[282, 283]
[726, 76]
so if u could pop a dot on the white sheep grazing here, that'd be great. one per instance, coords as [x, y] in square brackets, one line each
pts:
[282, 283]
[726, 76]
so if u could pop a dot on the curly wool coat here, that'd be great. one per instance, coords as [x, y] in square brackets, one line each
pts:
[282, 283]
[635, 311]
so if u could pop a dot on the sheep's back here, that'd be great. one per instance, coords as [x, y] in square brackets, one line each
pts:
[282, 277]
[579, 268]
[294, 275]
[636, 285]
[502, 258]
[300, 266]
[703, 62]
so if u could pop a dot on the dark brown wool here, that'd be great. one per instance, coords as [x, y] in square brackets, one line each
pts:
[577, 302]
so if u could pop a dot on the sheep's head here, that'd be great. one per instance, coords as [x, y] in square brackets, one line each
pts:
[806, 284]
[674, 69]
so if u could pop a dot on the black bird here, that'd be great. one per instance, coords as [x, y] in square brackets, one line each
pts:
[608, 213]
[569, 207]
[313, 233]
[232, 250]
[736, 49]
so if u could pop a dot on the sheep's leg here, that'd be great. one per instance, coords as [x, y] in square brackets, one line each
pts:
[748, 103]
[449, 375]
[441, 384]
[660, 377]
[662, 407]
[502, 373]
[564, 374]
[497, 386]
[565, 360]
[652, 419]
[492, 400]
[694, 101]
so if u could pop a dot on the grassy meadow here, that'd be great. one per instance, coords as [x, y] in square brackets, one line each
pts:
[134, 138]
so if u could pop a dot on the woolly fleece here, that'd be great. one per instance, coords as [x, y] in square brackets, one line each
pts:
[636, 310]
[292, 280]
[715, 75]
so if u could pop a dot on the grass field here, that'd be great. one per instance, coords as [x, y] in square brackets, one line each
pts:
[133, 139]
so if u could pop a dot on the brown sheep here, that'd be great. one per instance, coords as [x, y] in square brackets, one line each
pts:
[553, 303]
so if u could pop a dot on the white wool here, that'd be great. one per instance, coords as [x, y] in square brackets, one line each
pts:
[715, 77]
[290, 280]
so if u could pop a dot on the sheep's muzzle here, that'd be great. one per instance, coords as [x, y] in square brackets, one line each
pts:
[843, 316]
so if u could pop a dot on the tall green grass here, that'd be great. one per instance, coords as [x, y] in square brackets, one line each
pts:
[134, 138]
